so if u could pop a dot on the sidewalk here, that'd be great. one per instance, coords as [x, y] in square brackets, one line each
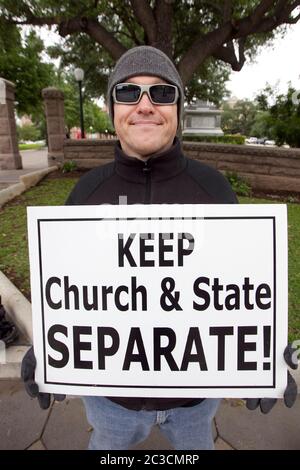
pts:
[25, 426]
[31, 160]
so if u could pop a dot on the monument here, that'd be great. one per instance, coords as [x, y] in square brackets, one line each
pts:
[202, 118]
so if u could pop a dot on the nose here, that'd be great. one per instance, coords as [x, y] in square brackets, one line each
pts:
[144, 105]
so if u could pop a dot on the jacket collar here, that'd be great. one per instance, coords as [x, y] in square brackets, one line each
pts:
[159, 166]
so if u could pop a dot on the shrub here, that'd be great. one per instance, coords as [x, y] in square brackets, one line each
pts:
[236, 139]
[28, 132]
[69, 166]
[239, 185]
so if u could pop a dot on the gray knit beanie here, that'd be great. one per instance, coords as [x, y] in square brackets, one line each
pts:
[144, 60]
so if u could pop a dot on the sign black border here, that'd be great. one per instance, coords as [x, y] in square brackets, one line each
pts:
[39, 221]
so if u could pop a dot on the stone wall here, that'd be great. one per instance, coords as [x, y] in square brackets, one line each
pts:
[88, 153]
[55, 118]
[264, 167]
[10, 158]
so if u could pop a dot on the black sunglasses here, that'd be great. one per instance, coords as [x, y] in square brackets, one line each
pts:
[131, 93]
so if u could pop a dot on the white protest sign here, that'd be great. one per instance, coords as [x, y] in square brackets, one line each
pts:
[160, 300]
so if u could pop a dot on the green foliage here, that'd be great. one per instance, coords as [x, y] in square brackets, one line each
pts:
[95, 119]
[14, 260]
[239, 185]
[209, 82]
[282, 115]
[21, 62]
[261, 126]
[69, 166]
[30, 146]
[218, 139]
[191, 20]
[28, 132]
[67, 84]
[97, 64]
[238, 119]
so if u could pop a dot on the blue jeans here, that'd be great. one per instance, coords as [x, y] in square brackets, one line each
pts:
[117, 428]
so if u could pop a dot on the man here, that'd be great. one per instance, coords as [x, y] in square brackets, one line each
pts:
[145, 100]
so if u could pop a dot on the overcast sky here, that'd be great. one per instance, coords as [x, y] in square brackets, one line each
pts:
[277, 65]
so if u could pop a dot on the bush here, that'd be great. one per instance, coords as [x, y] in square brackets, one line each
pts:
[239, 185]
[69, 166]
[236, 139]
[28, 132]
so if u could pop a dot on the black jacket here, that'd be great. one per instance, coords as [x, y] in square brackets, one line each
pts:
[165, 178]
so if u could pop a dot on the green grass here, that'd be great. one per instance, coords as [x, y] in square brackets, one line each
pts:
[30, 146]
[13, 239]
[13, 227]
[293, 261]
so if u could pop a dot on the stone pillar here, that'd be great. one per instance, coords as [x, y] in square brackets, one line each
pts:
[10, 157]
[55, 119]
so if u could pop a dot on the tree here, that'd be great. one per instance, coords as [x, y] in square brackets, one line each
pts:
[21, 63]
[209, 83]
[28, 132]
[261, 127]
[94, 117]
[283, 117]
[240, 118]
[96, 120]
[190, 32]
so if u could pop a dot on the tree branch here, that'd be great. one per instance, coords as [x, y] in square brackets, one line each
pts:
[227, 54]
[128, 23]
[77, 24]
[256, 22]
[202, 48]
[97, 32]
[262, 24]
[157, 24]
[280, 5]
[46, 20]
[145, 17]
[261, 10]
[227, 10]
[163, 13]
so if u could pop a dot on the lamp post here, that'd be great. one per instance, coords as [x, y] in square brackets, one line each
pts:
[79, 75]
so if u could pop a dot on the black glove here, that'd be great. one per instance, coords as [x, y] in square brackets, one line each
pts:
[8, 331]
[290, 394]
[27, 373]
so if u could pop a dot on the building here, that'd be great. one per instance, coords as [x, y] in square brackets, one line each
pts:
[202, 118]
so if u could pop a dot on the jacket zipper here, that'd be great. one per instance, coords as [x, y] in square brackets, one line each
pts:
[147, 173]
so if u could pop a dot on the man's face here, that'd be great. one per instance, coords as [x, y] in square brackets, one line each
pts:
[145, 128]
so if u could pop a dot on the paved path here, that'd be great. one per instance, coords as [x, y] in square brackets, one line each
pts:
[64, 426]
[31, 160]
